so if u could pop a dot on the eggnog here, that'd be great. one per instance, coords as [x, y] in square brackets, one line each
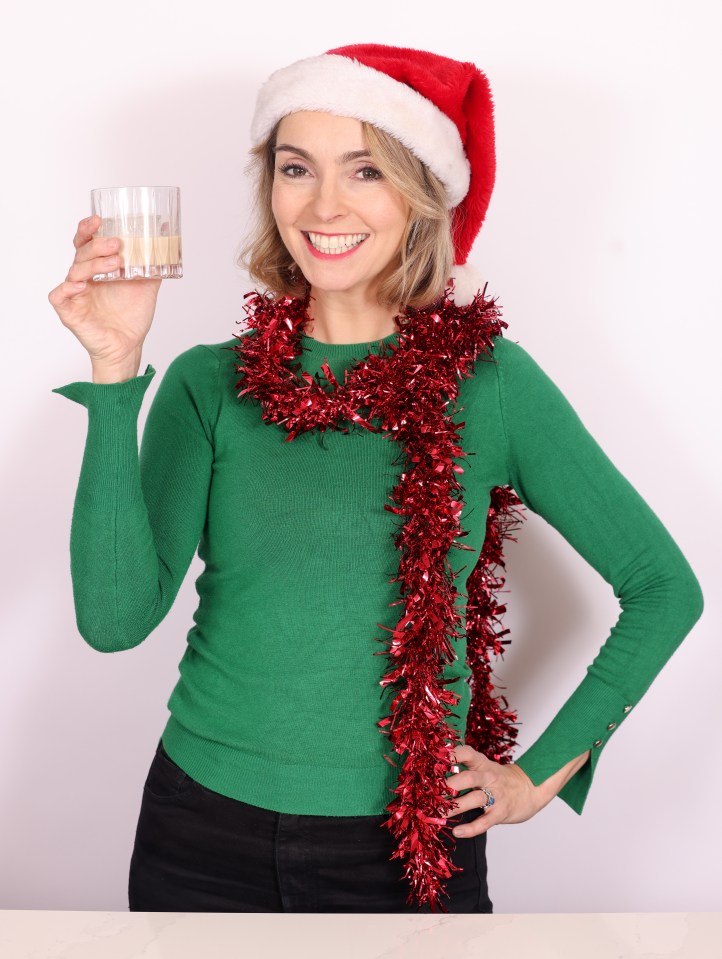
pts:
[149, 256]
[146, 220]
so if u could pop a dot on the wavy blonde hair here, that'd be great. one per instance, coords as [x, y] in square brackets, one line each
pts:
[426, 253]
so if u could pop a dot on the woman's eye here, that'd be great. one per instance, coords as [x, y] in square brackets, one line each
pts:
[370, 173]
[288, 167]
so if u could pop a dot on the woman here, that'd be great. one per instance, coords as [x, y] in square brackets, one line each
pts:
[271, 789]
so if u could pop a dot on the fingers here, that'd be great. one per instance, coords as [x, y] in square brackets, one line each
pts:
[86, 269]
[487, 812]
[89, 246]
[472, 816]
[94, 254]
[486, 818]
[64, 293]
[457, 754]
[480, 775]
[468, 756]
[484, 772]
[86, 228]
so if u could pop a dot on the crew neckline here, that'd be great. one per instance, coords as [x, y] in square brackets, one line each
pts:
[344, 349]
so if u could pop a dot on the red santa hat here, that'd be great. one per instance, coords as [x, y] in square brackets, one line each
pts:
[440, 109]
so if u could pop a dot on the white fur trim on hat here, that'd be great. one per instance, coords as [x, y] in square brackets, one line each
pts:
[331, 83]
[467, 283]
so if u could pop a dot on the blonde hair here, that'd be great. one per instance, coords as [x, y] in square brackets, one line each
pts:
[426, 254]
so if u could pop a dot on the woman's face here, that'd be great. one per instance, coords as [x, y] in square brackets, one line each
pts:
[340, 220]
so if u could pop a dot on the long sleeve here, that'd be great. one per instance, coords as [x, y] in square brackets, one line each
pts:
[137, 520]
[561, 473]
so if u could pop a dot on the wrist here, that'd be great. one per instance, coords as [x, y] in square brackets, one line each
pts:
[552, 786]
[118, 372]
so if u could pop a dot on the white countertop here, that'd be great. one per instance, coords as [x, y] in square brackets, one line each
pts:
[36, 934]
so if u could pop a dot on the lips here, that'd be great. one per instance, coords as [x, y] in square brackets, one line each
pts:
[336, 247]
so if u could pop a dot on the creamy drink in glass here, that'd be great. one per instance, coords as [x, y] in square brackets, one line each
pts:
[146, 219]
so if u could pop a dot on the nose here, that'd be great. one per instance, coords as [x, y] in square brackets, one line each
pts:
[328, 200]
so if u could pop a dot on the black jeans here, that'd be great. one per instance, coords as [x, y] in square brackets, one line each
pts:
[198, 851]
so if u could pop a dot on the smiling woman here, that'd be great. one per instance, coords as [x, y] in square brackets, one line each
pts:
[338, 674]
[322, 187]
[419, 266]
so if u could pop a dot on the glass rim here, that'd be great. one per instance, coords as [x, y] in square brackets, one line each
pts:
[98, 189]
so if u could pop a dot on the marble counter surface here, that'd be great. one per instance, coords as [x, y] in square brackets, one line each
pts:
[31, 934]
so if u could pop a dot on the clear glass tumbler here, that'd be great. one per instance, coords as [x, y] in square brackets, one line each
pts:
[147, 221]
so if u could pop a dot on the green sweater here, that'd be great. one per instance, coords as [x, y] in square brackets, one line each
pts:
[279, 696]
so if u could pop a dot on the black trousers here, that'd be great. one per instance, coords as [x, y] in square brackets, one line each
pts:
[198, 851]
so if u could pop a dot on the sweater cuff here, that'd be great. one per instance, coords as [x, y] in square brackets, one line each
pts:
[110, 474]
[109, 396]
[586, 721]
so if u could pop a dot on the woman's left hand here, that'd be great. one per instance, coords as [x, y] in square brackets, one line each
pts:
[516, 798]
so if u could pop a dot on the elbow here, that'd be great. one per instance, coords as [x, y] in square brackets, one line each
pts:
[695, 599]
[671, 598]
[107, 637]
[686, 591]
[109, 647]
[108, 628]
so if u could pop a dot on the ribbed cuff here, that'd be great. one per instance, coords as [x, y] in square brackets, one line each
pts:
[110, 474]
[107, 396]
[587, 720]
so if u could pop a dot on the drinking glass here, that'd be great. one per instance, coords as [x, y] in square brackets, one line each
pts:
[146, 219]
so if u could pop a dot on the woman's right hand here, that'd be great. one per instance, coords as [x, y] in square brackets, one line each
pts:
[111, 319]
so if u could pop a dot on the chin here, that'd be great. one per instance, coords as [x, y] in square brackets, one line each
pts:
[330, 284]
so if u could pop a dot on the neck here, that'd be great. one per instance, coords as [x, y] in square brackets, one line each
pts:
[337, 317]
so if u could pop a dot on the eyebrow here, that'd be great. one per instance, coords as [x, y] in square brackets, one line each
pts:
[344, 158]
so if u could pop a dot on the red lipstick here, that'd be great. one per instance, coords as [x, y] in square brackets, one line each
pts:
[332, 256]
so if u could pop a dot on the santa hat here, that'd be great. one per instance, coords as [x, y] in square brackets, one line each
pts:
[440, 109]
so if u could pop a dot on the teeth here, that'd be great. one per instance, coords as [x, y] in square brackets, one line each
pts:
[336, 244]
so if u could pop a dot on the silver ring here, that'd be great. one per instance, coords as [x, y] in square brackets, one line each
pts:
[489, 798]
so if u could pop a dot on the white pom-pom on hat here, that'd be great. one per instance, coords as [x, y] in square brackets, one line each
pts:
[468, 281]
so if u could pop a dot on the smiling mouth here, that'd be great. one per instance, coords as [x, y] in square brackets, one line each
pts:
[335, 245]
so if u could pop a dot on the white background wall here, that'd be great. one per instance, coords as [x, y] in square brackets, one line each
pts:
[603, 244]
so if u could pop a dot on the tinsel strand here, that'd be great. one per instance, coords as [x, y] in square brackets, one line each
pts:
[490, 724]
[410, 389]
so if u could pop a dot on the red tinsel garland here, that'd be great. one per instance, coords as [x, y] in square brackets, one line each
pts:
[410, 389]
